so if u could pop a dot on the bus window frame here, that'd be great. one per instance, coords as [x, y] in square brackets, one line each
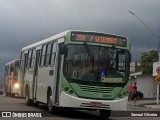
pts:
[54, 50]
[30, 53]
[48, 54]
[32, 58]
[42, 57]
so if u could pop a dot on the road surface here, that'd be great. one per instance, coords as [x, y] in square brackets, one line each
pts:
[8, 104]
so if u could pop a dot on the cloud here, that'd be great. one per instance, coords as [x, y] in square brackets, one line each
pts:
[25, 22]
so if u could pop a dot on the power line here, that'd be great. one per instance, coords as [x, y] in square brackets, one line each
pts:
[144, 24]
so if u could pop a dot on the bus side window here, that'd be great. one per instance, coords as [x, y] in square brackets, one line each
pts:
[11, 68]
[39, 57]
[21, 60]
[16, 70]
[29, 58]
[48, 54]
[8, 70]
[25, 60]
[43, 55]
[33, 57]
[54, 49]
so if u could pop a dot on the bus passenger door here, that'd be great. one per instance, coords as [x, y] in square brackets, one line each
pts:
[36, 74]
[56, 77]
[23, 69]
[55, 81]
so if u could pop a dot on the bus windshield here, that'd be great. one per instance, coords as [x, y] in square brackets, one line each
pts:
[96, 63]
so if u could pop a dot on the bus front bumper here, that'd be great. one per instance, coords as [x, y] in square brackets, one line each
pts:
[67, 100]
[16, 91]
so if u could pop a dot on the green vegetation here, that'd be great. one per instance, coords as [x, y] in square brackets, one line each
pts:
[143, 105]
[147, 59]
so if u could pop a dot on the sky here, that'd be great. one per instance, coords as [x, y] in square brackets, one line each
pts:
[23, 22]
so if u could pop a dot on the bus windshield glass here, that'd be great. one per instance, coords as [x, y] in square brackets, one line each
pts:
[96, 64]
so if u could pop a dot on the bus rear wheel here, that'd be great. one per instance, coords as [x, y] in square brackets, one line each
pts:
[104, 114]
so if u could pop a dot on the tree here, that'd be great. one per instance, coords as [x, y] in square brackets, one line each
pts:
[147, 59]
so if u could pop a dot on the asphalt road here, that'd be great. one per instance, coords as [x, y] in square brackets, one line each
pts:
[8, 104]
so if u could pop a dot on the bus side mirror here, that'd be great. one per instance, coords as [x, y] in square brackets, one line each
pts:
[63, 48]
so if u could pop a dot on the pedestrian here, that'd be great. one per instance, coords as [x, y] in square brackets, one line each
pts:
[135, 93]
[131, 91]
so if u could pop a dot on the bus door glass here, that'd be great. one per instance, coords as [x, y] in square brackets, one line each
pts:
[54, 62]
[24, 66]
[36, 71]
[16, 69]
[11, 71]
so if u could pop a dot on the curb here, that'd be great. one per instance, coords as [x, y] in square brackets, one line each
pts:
[150, 105]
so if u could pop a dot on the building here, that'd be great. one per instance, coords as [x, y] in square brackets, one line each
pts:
[145, 82]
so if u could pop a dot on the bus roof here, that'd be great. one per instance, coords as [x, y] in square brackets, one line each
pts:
[12, 61]
[60, 35]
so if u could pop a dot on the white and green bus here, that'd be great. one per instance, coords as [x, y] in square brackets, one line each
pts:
[65, 70]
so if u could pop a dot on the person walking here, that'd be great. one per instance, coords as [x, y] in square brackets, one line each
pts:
[131, 91]
[135, 93]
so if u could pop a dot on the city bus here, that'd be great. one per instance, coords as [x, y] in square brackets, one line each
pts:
[12, 85]
[54, 73]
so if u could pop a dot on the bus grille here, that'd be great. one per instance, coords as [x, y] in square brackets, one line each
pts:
[96, 89]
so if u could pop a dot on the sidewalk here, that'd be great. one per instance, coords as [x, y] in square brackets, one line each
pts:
[148, 103]
[153, 106]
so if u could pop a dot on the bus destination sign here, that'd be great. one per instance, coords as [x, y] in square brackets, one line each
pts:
[99, 38]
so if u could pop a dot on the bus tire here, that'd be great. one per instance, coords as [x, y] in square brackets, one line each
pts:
[27, 100]
[104, 114]
[13, 95]
[50, 106]
[36, 104]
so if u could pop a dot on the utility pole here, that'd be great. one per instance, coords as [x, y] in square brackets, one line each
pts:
[144, 24]
[156, 38]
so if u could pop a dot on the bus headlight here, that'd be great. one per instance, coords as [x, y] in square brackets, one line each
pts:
[16, 85]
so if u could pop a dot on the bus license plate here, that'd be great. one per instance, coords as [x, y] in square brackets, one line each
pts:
[96, 104]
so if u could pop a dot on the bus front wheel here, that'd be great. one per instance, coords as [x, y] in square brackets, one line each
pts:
[105, 113]
[27, 100]
[50, 106]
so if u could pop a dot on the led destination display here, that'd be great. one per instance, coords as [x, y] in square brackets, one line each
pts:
[99, 38]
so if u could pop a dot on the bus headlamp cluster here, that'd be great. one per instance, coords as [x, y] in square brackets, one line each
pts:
[16, 85]
[123, 94]
[68, 90]
[71, 91]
